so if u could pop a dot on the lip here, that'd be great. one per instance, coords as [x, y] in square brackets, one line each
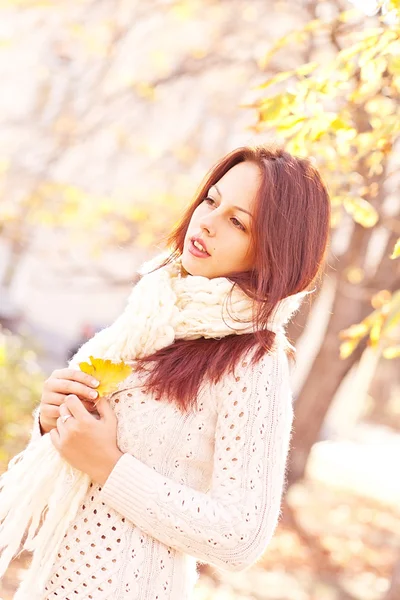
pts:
[197, 238]
[195, 251]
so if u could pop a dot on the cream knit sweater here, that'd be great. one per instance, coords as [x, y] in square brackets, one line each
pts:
[205, 486]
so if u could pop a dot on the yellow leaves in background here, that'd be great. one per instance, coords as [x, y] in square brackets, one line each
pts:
[303, 70]
[317, 104]
[95, 38]
[355, 275]
[396, 250]
[109, 374]
[145, 90]
[379, 324]
[58, 204]
[392, 352]
[347, 348]
[3, 354]
[272, 108]
[184, 11]
[361, 211]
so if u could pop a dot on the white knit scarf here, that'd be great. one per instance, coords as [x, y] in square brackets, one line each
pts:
[40, 493]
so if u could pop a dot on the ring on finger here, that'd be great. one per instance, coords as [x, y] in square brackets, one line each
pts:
[65, 417]
[67, 414]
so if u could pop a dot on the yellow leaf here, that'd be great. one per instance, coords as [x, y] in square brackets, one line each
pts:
[391, 352]
[354, 331]
[3, 355]
[361, 211]
[355, 274]
[392, 313]
[381, 298]
[394, 65]
[291, 122]
[109, 374]
[183, 11]
[347, 348]
[273, 108]
[394, 4]
[396, 250]
[375, 333]
[275, 79]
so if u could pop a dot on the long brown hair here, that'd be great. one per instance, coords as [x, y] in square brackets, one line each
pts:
[290, 237]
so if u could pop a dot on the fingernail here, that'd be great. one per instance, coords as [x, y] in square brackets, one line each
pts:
[93, 394]
[95, 382]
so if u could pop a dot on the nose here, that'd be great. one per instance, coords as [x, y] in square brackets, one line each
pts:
[206, 226]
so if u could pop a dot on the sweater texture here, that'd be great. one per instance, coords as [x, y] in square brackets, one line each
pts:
[205, 486]
[37, 506]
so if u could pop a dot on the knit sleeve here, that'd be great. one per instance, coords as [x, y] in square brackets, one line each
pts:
[230, 525]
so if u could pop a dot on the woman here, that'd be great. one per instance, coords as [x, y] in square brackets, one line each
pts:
[187, 459]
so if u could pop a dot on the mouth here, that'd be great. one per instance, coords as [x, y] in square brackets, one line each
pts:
[197, 248]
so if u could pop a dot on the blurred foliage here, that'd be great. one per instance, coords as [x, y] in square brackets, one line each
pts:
[346, 112]
[380, 325]
[21, 381]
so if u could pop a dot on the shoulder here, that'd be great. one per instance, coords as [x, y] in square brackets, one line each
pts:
[272, 365]
[269, 376]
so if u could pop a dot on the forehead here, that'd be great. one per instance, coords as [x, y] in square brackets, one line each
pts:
[240, 184]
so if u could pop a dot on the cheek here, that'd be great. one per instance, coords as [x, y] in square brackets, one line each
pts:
[236, 250]
[245, 253]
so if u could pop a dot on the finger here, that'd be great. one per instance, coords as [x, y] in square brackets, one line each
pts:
[104, 408]
[62, 426]
[68, 386]
[76, 407]
[76, 375]
[89, 405]
[64, 410]
[55, 438]
[50, 412]
[54, 399]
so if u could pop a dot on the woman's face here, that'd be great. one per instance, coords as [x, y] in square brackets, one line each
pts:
[223, 221]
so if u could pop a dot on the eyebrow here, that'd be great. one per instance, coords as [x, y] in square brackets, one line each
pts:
[237, 207]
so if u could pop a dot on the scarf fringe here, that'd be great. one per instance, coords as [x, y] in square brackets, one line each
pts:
[69, 491]
[32, 501]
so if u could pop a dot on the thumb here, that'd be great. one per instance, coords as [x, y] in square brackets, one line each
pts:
[103, 407]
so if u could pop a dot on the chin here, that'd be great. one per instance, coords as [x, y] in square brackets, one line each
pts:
[192, 267]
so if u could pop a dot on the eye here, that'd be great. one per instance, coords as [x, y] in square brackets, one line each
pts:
[238, 224]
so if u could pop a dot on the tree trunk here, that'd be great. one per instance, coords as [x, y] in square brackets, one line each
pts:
[295, 327]
[351, 304]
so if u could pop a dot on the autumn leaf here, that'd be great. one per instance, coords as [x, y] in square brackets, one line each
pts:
[396, 250]
[392, 352]
[347, 348]
[361, 211]
[109, 374]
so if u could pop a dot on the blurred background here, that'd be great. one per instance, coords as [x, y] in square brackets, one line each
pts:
[111, 113]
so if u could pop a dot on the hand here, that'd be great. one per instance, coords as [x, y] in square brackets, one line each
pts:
[56, 388]
[85, 442]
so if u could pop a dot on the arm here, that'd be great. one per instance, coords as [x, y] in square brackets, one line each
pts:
[231, 525]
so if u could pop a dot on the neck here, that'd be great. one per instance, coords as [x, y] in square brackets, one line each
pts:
[184, 273]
